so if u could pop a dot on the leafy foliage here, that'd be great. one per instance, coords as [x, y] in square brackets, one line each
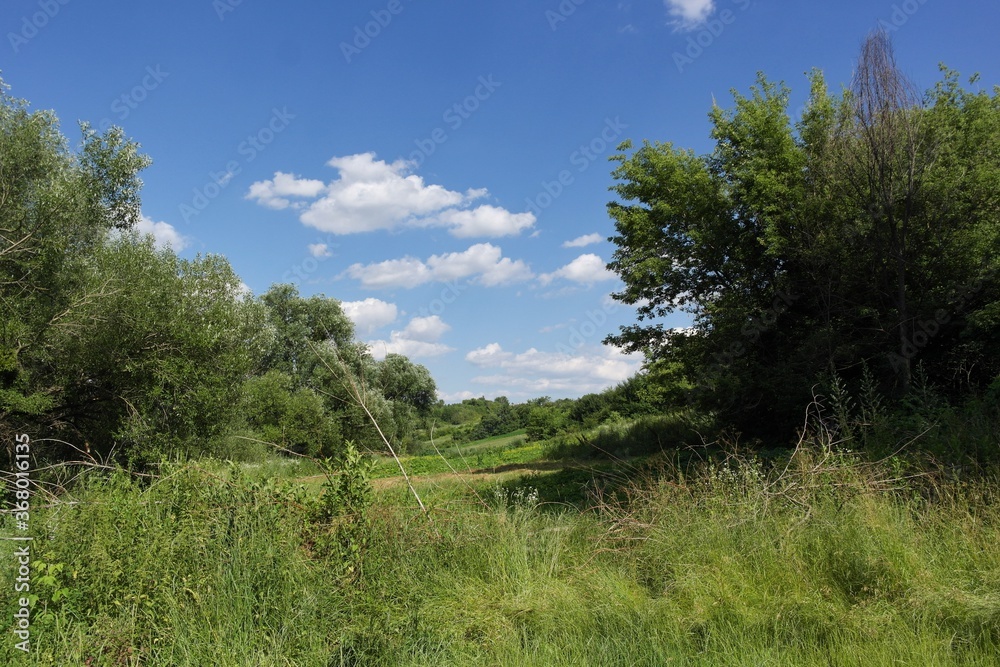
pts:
[123, 349]
[866, 234]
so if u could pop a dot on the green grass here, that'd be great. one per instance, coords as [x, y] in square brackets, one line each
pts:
[489, 453]
[445, 444]
[821, 559]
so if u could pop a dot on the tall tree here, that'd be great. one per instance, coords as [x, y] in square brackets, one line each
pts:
[867, 233]
[885, 153]
[57, 205]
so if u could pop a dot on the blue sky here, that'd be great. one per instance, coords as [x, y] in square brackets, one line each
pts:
[439, 167]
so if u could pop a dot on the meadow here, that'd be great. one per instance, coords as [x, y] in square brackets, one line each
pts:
[817, 556]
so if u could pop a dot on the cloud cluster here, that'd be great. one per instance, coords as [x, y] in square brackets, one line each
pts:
[370, 314]
[371, 194]
[585, 269]
[418, 339]
[690, 13]
[275, 193]
[533, 371]
[484, 262]
[164, 234]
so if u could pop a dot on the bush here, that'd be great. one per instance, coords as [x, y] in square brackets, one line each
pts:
[295, 419]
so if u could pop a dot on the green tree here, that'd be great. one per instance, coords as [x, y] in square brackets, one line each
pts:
[303, 326]
[57, 207]
[295, 419]
[154, 358]
[543, 422]
[867, 233]
[400, 380]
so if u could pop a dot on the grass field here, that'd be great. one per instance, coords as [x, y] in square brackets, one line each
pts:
[489, 453]
[820, 559]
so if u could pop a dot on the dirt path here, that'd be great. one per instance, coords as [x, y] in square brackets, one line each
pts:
[478, 476]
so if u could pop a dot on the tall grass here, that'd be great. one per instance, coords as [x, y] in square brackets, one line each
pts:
[820, 558]
[824, 560]
[193, 569]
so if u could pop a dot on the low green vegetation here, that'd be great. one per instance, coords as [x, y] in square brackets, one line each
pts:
[816, 557]
[460, 461]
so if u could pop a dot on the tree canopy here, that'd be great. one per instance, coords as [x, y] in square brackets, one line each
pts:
[113, 346]
[863, 235]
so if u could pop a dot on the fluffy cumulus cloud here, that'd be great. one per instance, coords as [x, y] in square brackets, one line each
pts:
[370, 314]
[484, 262]
[583, 241]
[418, 339]
[371, 194]
[427, 329]
[574, 371]
[164, 234]
[490, 355]
[585, 269]
[690, 13]
[486, 221]
[276, 192]
[399, 344]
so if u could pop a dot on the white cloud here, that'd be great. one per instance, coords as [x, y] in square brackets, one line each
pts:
[319, 250]
[405, 272]
[243, 291]
[370, 314]
[486, 221]
[491, 355]
[398, 344]
[582, 371]
[372, 194]
[483, 260]
[274, 193]
[690, 13]
[164, 234]
[582, 241]
[427, 329]
[418, 339]
[506, 271]
[456, 397]
[585, 269]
